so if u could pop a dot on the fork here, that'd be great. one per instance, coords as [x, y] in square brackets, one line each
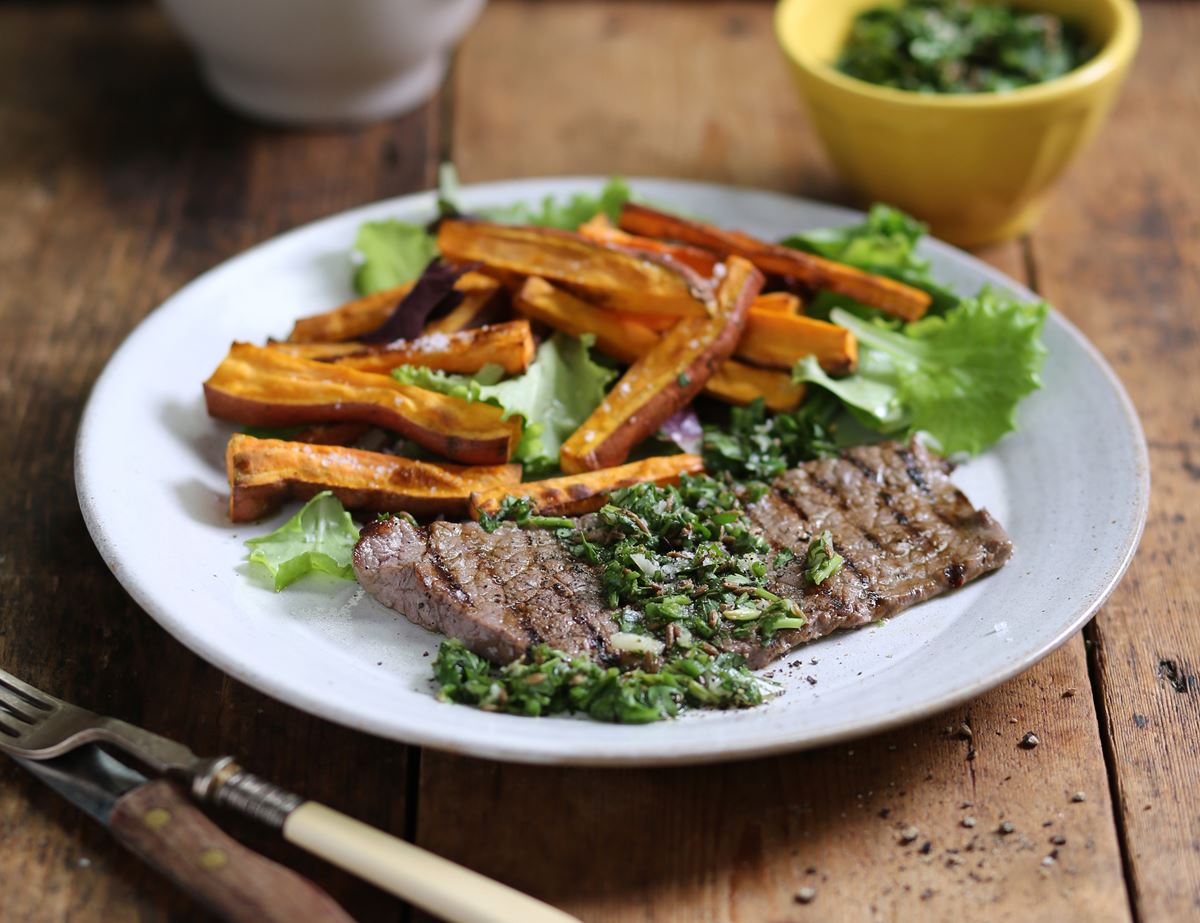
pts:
[37, 726]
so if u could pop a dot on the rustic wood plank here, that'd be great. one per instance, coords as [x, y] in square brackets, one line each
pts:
[119, 181]
[741, 841]
[1119, 252]
[676, 89]
[660, 89]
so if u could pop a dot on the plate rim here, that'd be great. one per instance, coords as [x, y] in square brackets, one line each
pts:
[769, 744]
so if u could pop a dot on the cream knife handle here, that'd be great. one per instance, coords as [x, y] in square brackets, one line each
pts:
[434, 884]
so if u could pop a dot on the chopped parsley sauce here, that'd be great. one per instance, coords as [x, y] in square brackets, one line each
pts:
[684, 570]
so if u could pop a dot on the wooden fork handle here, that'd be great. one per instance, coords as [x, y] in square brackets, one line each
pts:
[434, 884]
[157, 823]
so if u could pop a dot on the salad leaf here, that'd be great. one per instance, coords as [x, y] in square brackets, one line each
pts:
[957, 378]
[561, 388]
[468, 387]
[570, 213]
[884, 244]
[320, 537]
[392, 253]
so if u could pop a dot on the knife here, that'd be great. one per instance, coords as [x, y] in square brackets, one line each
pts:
[156, 821]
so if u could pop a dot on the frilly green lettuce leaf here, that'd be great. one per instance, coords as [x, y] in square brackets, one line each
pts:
[957, 378]
[320, 537]
[566, 214]
[391, 253]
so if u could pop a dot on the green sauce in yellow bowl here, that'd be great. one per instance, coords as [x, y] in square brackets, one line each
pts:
[976, 166]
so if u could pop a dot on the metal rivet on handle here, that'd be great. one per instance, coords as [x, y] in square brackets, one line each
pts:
[156, 818]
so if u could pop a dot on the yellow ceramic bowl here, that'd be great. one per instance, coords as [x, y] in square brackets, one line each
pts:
[976, 167]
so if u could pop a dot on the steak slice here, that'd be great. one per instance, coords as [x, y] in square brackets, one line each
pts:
[499, 593]
[905, 531]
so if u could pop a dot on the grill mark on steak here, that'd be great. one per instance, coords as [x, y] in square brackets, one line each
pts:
[914, 472]
[519, 605]
[873, 477]
[844, 503]
[790, 499]
[917, 477]
[434, 557]
[575, 613]
[905, 532]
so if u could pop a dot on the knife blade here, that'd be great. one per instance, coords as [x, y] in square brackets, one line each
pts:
[156, 821]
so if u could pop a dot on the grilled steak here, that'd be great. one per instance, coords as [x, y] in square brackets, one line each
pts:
[905, 531]
[499, 593]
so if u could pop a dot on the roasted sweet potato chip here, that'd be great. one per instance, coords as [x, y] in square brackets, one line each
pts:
[509, 345]
[779, 340]
[665, 378]
[601, 231]
[738, 383]
[617, 279]
[782, 302]
[620, 336]
[261, 386]
[888, 295]
[361, 316]
[577, 494]
[264, 473]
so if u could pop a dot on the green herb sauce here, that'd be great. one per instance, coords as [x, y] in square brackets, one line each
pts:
[550, 682]
[960, 46]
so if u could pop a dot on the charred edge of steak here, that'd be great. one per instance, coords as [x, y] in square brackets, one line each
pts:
[905, 531]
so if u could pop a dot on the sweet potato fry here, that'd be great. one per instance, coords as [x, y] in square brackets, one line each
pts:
[263, 473]
[615, 279]
[625, 339]
[665, 378]
[601, 231]
[577, 494]
[888, 295]
[361, 316]
[782, 302]
[617, 334]
[738, 383]
[509, 345]
[260, 386]
[781, 340]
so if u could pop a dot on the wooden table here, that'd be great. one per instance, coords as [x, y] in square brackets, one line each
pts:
[120, 180]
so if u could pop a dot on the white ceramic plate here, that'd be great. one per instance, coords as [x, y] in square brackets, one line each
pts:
[1071, 488]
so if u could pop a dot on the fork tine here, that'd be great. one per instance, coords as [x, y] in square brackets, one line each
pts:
[17, 710]
[31, 694]
[5, 730]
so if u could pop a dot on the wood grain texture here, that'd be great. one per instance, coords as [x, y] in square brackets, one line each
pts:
[695, 91]
[119, 182]
[657, 88]
[1119, 253]
[740, 842]
[158, 823]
